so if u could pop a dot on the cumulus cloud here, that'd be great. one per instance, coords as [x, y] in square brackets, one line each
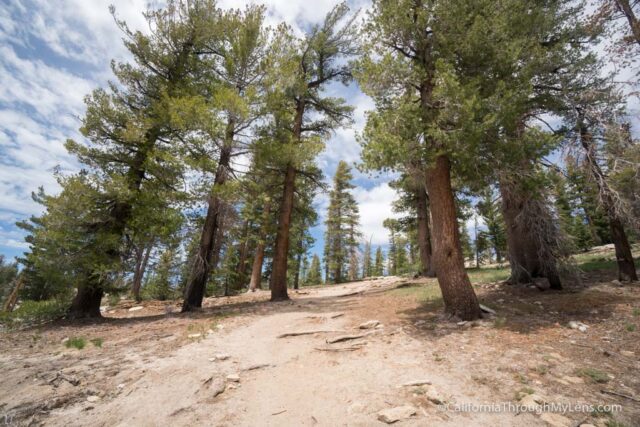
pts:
[52, 54]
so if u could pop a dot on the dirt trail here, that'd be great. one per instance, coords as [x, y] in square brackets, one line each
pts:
[160, 377]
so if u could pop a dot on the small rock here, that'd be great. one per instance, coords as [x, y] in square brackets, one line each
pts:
[136, 308]
[578, 325]
[416, 383]
[531, 400]
[487, 309]
[627, 353]
[221, 356]
[392, 415]
[542, 283]
[433, 396]
[210, 331]
[194, 335]
[219, 326]
[64, 340]
[369, 325]
[555, 420]
[574, 380]
[538, 302]
[464, 322]
[93, 399]
[218, 386]
[616, 282]
[121, 386]
[235, 378]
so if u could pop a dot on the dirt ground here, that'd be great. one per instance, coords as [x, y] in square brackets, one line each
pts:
[227, 366]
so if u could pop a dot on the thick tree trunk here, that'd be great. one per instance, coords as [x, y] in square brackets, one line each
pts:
[516, 237]
[201, 265]
[624, 258]
[424, 238]
[459, 297]
[278, 280]
[258, 260]
[86, 303]
[141, 268]
[281, 251]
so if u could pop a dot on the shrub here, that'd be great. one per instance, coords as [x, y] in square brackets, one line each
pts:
[33, 312]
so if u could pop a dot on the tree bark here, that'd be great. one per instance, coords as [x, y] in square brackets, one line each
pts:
[141, 267]
[278, 281]
[459, 297]
[201, 266]
[258, 260]
[424, 237]
[281, 251]
[86, 303]
[624, 257]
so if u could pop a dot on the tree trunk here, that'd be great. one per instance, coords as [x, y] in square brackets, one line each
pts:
[241, 269]
[258, 260]
[624, 258]
[459, 297]
[201, 266]
[86, 303]
[281, 250]
[424, 238]
[141, 267]
[296, 279]
[278, 280]
[12, 299]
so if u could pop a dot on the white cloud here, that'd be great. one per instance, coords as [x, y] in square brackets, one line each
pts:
[375, 207]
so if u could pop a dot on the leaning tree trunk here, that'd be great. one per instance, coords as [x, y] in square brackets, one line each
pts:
[624, 257]
[258, 260]
[281, 251]
[459, 297]
[424, 238]
[201, 265]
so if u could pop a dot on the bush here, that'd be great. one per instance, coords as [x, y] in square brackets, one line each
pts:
[33, 312]
[76, 342]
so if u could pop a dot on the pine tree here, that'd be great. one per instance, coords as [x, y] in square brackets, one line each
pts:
[378, 269]
[367, 262]
[315, 274]
[342, 235]
[302, 115]
[489, 208]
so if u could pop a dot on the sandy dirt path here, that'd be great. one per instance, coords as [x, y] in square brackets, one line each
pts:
[167, 370]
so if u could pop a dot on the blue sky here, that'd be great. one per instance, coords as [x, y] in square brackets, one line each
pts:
[53, 53]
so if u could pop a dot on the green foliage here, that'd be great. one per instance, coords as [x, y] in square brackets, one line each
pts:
[97, 342]
[34, 312]
[342, 223]
[8, 273]
[314, 277]
[76, 342]
[378, 268]
[593, 374]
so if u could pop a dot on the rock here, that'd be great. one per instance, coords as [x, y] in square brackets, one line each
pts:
[616, 282]
[573, 380]
[531, 400]
[578, 325]
[392, 415]
[136, 308]
[416, 383]
[369, 325]
[464, 322]
[555, 420]
[221, 356]
[194, 335]
[542, 283]
[93, 399]
[217, 386]
[64, 340]
[487, 309]
[627, 353]
[234, 378]
[433, 396]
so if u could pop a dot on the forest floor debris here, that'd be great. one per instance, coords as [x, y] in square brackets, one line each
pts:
[148, 371]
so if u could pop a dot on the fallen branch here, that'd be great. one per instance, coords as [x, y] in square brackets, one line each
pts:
[615, 393]
[295, 334]
[346, 338]
[335, 316]
[280, 412]
[341, 349]
[348, 294]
